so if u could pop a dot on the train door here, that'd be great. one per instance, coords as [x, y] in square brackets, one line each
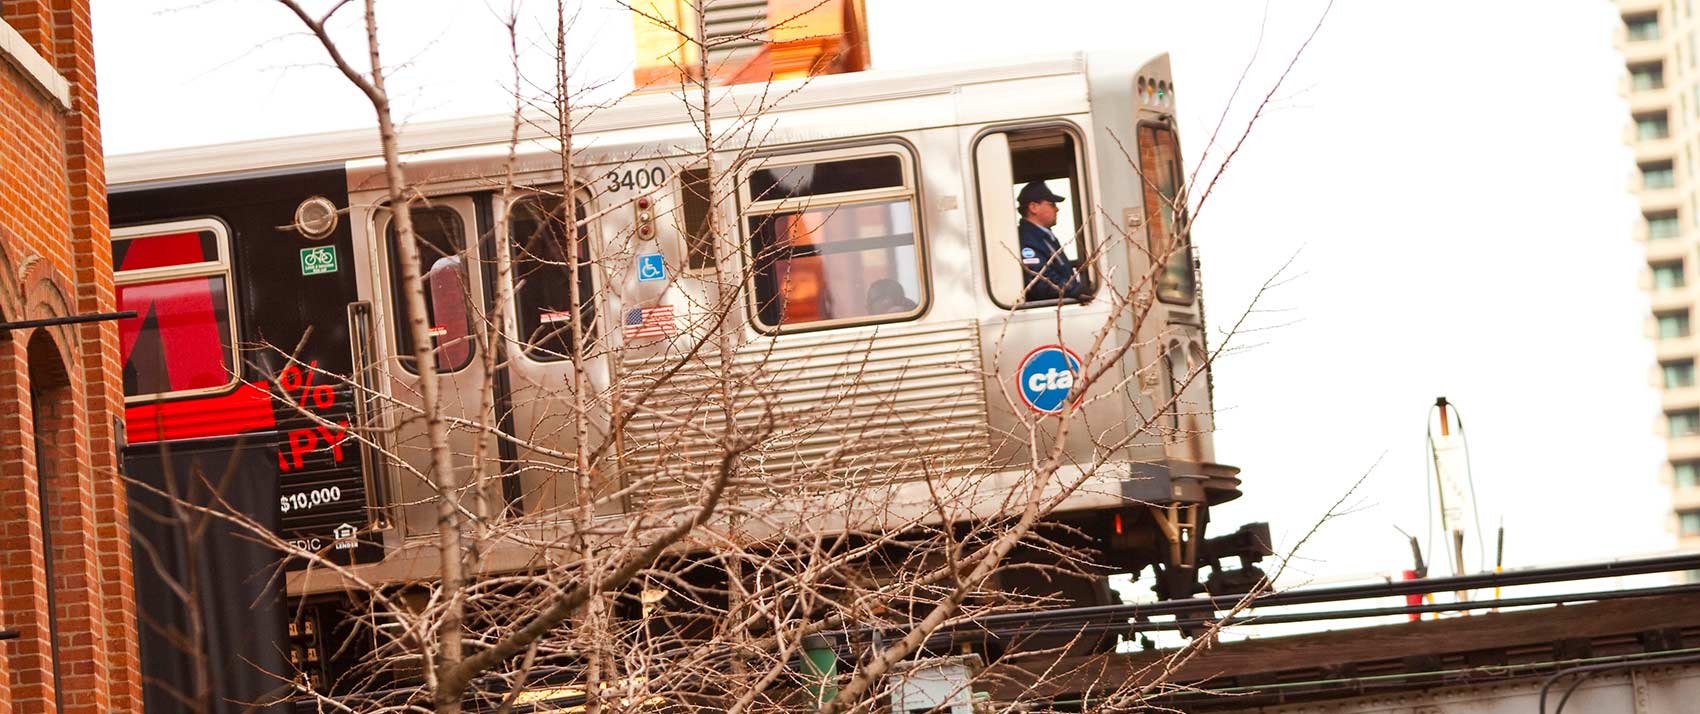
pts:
[1037, 340]
[551, 255]
[449, 262]
[1168, 239]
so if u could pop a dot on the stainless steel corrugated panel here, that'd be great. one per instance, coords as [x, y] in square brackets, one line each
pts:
[837, 410]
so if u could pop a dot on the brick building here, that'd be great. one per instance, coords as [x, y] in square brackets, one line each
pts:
[65, 580]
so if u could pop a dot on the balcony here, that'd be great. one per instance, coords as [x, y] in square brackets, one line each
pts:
[1659, 251]
[1649, 150]
[1676, 348]
[1645, 101]
[1679, 398]
[1639, 52]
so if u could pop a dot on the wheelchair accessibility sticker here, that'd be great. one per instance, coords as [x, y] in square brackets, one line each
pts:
[1047, 378]
[651, 268]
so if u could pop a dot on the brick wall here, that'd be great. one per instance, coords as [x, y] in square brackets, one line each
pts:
[62, 506]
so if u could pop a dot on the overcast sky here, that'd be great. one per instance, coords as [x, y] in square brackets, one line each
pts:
[1449, 182]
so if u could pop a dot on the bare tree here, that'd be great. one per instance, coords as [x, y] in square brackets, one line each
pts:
[689, 545]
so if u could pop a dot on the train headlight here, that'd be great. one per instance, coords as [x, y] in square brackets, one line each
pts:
[316, 217]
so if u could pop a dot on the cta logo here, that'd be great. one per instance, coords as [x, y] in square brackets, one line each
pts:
[1047, 377]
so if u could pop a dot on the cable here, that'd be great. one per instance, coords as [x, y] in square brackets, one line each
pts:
[1430, 480]
[1470, 475]
[1587, 671]
[1530, 576]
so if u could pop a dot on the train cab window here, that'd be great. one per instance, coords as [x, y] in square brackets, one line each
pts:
[176, 276]
[834, 241]
[444, 265]
[543, 304]
[1166, 225]
[1019, 273]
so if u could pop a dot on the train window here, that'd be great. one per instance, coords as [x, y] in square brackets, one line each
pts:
[695, 216]
[443, 266]
[1035, 270]
[835, 242]
[1165, 214]
[176, 276]
[543, 303]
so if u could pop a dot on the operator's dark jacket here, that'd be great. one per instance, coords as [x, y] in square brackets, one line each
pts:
[1045, 269]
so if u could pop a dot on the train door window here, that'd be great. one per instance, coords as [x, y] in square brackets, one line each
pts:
[1005, 162]
[543, 304]
[444, 267]
[835, 240]
[1166, 226]
[176, 276]
[695, 219]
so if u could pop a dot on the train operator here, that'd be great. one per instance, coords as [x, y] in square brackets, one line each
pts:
[1045, 269]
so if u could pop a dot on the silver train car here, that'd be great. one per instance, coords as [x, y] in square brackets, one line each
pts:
[855, 263]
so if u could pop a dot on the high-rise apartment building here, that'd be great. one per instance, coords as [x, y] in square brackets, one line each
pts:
[1660, 41]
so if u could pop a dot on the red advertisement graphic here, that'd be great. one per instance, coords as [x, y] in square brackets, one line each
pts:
[298, 383]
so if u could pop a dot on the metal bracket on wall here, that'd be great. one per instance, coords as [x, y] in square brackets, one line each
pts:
[69, 320]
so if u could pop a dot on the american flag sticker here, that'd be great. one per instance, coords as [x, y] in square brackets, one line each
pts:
[656, 321]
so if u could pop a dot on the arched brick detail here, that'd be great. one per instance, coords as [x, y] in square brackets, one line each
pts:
[23, 569]
[67, 487]
[20, 536]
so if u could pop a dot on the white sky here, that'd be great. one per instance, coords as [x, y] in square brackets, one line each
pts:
[1450, 177]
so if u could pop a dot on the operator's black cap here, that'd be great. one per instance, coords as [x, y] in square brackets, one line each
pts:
[1035, 191]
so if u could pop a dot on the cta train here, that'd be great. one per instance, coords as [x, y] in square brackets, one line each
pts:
[862, 276]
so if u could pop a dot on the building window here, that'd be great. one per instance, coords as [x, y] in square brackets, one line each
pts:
[1686, 474]
[1667, 276]
[1652, 127]
[443, 257]
[1683, 423]
[176, 276]
[1658, 175]
[835, 241]
[1672, 325]
[1647, 77]
[1642, 28]
[1678, 373]
[542, 274]
[1663, 226]
[1688, 523]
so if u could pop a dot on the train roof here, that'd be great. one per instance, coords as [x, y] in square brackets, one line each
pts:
[638, 111]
